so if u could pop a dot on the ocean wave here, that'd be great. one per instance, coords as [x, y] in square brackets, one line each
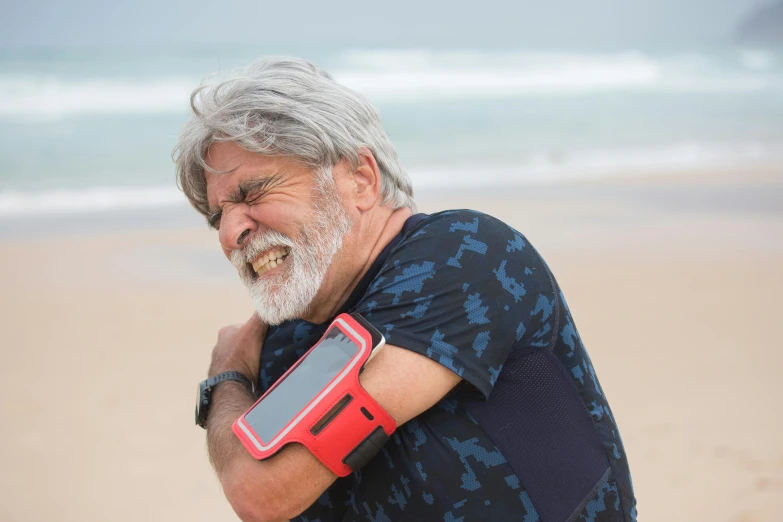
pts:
[87, 200]
[541, 168]
[423, 74]
[560, 166]
[415, 76]
[47, 96]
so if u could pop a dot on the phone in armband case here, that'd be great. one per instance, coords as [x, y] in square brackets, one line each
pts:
[320, 403]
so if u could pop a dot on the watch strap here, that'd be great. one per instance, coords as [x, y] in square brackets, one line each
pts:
[206, 387]
[230, 376]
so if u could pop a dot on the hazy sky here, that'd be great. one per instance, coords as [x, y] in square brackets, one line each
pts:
[511, 23]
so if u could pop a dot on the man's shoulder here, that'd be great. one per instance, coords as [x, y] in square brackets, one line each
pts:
[453, 236]
[437, 231]
[462, 220]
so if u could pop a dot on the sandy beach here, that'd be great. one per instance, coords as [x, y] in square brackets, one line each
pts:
[674, 282]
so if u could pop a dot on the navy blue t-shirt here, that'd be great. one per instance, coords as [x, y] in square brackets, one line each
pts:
[527, 435]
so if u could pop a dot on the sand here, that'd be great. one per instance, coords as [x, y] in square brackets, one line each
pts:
[674, 283]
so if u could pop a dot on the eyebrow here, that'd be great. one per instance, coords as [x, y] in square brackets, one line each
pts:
[240, 193]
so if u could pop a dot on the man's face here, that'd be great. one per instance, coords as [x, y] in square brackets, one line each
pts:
[280, 224]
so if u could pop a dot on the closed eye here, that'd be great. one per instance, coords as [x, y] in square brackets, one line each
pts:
[248, 192]
[255, 197]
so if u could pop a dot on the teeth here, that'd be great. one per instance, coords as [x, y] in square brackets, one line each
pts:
[270, 260]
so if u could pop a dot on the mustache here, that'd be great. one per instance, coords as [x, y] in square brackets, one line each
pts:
[258, 244]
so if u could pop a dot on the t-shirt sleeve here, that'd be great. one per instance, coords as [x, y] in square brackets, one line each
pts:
[462, 289]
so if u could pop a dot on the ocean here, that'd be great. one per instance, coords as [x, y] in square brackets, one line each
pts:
[91, 130]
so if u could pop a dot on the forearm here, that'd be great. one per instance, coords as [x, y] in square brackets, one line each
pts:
[271, 490]
[230, 400]
[242, 477]
[259, 491]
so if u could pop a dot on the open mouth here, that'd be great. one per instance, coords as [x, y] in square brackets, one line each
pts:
[271, 259]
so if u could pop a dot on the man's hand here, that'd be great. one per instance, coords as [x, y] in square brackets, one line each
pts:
[238, 348]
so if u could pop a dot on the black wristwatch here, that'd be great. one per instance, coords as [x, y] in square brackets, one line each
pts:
[205, 393]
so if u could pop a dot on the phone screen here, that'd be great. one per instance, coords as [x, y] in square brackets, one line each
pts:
[289, 397]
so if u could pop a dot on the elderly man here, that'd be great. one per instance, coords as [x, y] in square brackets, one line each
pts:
[498, 409]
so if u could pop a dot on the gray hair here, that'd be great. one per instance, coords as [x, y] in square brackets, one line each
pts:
[286, 107]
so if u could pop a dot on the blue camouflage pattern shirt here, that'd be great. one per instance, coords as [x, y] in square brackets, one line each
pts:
[528, 434]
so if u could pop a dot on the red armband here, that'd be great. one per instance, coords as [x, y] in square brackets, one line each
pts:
[319, 403]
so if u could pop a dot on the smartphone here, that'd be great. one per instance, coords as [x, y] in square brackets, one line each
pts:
[313, 392]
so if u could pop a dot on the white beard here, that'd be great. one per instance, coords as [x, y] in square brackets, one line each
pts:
[287, 294]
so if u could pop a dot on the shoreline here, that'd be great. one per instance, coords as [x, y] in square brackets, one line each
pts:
[753, 190]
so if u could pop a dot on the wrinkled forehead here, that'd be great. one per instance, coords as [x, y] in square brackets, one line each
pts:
[229, 158]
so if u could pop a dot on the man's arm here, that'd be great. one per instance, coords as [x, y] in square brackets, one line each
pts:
[404, 383]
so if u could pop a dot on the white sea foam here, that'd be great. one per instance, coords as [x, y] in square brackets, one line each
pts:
[422, 74]
[599, 163]
[417, 75]
[542, 168]
[87, 200]
[412, 76]
[42, 96]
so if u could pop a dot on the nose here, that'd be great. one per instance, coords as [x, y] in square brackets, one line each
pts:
[236, 226]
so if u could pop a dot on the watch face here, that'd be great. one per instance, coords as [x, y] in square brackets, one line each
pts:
[201, 402]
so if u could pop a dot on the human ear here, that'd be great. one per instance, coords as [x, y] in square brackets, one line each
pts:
[367, 180]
